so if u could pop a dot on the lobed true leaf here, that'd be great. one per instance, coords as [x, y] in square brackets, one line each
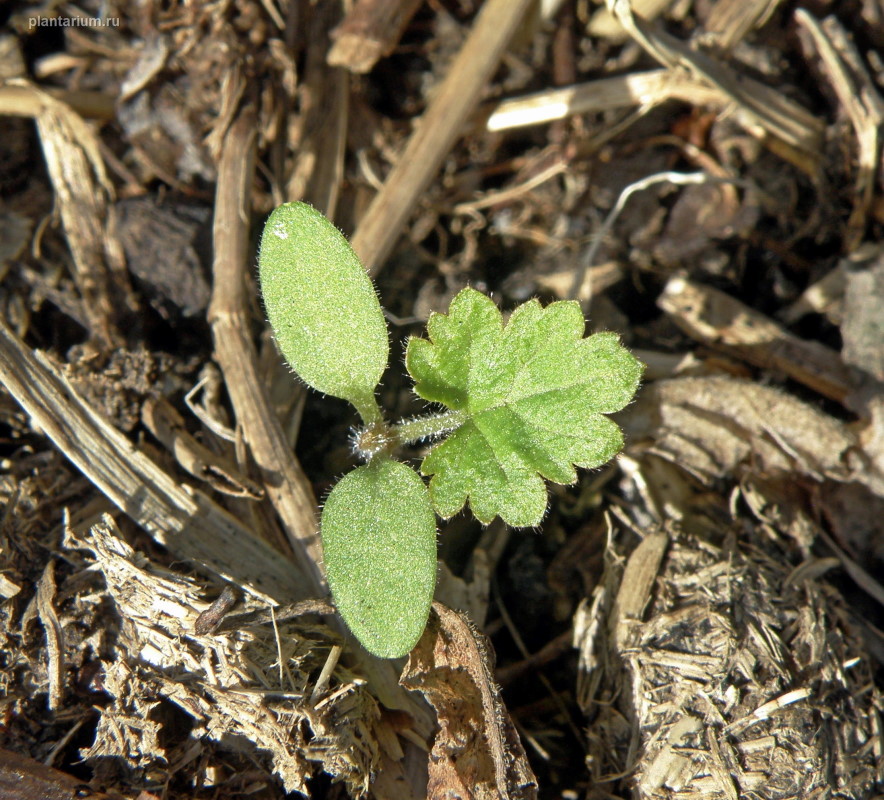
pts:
[534, 393]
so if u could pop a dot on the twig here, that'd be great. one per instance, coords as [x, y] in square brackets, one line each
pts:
[512, 192]
[55, 667]
[65, 740]
[640, 89]
[263, 616]
[549, 652]
[325, 676]
[436, 131]
[325, 109]
[582, 287]
[720, 321]
[513, 630]
[774, 112]
[210, 381]
[83, 195]
[284, 480]
[863, 104]
[370, 31]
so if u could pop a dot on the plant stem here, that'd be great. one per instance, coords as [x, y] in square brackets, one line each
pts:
[428, 427]
[368, 409]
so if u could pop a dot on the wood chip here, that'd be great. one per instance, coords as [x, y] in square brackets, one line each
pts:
[227, 682]
[733, 683]
[8, 588]
[638, 581]
[23, 778]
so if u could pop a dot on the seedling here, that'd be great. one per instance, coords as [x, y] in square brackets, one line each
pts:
[523, 401]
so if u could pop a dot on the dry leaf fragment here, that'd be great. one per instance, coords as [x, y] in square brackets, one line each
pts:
[163, 243]
[477, 754]
[703, 215]
[709, 426]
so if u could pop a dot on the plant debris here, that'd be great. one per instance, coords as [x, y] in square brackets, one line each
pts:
[727, 673]
[477, 752]
[705, 179]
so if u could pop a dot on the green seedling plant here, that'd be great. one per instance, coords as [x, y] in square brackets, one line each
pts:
[523, 401]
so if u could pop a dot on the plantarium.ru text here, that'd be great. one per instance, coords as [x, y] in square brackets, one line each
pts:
[523, 402]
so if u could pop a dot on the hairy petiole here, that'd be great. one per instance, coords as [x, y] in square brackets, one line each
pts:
[380, 438]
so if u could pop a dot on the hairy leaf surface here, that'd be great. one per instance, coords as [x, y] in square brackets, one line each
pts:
[322, 306]
[379, 545]
[535, 392]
